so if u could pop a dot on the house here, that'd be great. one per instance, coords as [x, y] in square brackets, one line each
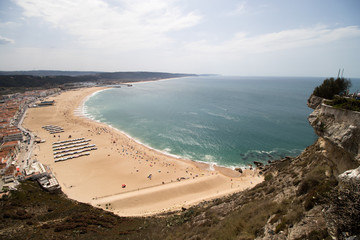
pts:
[9, 175]
[35, 171]
[2, 168]
[49, 183]
[8, 152]
[11, 134]
[46, 103]
[13, 145]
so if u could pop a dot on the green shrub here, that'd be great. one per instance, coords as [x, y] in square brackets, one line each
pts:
[331, 87]
[268, 177]
[345, 103]
[320, 234]
[307, 185]
[309, 202]
[246, 222]
[281, 226]
[344, 207]
[270, 190]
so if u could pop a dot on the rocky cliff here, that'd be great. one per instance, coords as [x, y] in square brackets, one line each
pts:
[338, 127]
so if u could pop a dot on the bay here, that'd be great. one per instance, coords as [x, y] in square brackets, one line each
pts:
[228, 121]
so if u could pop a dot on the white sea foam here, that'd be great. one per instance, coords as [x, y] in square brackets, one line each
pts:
[167, 150]
[200, 126]
[185, 140]
[209, 158]
[227, 117]
[81, 110]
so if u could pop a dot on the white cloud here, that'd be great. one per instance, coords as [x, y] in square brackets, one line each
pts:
[9, 24]
[4, 40]
[242, 43]
[136, 35]
[132, 24]
[239, 9]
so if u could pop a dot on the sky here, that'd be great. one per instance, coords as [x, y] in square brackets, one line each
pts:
[228, 37]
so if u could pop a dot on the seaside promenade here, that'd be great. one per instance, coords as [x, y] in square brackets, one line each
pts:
[122, 175]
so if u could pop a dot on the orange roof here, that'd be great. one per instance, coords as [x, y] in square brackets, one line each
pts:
[4, 152]
[12, 143]
[10, 170]
[10, 149]
[10, 130]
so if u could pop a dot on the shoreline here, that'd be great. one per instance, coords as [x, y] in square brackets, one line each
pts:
[85, 115]
[82, 113]
[97, 179]
[203, 164]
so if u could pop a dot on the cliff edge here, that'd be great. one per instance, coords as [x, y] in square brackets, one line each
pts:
[339, 127]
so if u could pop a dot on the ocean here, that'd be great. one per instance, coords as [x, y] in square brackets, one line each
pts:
[228, 121]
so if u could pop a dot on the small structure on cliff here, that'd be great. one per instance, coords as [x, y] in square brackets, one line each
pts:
[336, 124]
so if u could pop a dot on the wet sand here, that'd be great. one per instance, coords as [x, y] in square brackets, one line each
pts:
[98, 178]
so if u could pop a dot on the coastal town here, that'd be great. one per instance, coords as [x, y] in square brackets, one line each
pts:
[17, 142]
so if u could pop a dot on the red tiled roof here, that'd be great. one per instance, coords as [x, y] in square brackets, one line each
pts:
[12, 143]
[10, 170]
[9, 131]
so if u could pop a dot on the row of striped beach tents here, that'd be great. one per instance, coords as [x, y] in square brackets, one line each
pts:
[75, 152]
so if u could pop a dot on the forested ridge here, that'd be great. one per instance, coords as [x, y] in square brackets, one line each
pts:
[20, 81]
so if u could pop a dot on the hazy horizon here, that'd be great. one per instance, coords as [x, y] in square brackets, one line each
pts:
[230, 38]
[199, 74]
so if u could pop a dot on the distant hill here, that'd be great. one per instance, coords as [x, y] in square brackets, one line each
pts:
[49, 73]
[105, 75]
[19, 81]
[139, 76]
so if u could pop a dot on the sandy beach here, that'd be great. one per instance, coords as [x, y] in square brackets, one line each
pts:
[155, 182]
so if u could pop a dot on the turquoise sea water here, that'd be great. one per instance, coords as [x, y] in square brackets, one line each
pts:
[230, 121]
